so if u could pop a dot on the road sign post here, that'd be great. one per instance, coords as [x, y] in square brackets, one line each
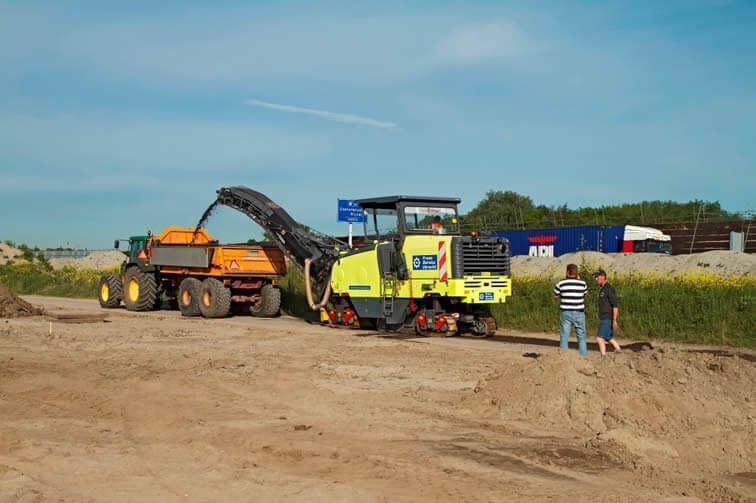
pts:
[351, 212]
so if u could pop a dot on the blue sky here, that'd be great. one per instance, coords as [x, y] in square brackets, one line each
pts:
[118, 117]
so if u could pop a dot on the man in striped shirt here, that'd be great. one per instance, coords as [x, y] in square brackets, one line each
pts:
[571, 294]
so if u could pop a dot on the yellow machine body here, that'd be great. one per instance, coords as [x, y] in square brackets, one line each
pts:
[359, 276]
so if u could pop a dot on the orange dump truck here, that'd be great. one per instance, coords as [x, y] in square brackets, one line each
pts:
[202, 276]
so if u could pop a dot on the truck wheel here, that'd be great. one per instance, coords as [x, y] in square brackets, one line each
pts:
[140, 292]
[110, 291]
[215, 299]
[269, 303]
[189, 296]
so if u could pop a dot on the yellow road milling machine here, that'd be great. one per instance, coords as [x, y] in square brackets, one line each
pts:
[412, 269]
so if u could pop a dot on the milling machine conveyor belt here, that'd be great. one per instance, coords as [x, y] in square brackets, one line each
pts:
[294, 240]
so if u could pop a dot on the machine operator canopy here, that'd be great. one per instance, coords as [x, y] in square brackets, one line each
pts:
[400, 215]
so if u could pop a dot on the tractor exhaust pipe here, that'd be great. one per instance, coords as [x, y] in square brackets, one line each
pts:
[308, 289]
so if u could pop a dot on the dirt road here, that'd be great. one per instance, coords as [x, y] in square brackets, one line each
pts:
[155, 407]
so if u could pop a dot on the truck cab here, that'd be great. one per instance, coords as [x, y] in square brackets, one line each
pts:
[639, 239]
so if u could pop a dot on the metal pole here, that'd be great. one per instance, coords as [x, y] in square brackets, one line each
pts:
[695, 229]
[745, 239]
[350, 234]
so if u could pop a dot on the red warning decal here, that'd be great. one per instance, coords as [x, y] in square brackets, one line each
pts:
[234, 264]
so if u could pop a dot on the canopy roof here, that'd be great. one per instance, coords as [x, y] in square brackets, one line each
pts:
[392, 201]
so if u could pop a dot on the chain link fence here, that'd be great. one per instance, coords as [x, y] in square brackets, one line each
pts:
[51, 254]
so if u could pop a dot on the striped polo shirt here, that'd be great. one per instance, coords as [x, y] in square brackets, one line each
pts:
[571, 293]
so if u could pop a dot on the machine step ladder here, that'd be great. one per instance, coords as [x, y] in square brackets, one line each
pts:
[388, 294]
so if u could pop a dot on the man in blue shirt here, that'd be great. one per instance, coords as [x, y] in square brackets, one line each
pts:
[608, 313]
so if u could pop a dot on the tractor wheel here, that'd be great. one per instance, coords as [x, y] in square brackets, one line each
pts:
[110, 291]
[189, 297]
[140, 291]
[269, 303]
[214, 299]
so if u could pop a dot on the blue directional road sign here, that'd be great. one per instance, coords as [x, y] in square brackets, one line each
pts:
[350, 211]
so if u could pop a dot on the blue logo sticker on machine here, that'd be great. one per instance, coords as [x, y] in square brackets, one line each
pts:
[424, 262]
[359, 287]
[486, 296]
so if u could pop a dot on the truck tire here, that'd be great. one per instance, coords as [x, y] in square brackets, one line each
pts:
[189, 297]
[269, 303]
[214, 299]
[140, 291]
[110, 291]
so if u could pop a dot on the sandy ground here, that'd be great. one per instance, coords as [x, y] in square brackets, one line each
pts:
[155, 407]
[8, 253]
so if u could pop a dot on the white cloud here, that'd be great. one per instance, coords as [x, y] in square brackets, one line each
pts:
[482, 43]
[324, 114]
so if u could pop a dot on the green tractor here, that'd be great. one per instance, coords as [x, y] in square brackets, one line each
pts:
[136, 285]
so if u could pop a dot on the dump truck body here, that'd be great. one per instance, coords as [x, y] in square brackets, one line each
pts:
[195, 272]
[182, 251]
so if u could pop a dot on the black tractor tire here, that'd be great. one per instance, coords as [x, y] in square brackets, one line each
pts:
[140, 290]
[189, 297]
[214, 299]
[269, 304]
[110, 291]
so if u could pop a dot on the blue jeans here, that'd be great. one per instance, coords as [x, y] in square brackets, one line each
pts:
[605, 330]
[575, 319]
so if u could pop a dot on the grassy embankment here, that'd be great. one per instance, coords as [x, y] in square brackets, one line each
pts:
[699, 309]
[38, 278]
[702, 309]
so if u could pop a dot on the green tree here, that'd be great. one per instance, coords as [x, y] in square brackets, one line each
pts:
[502, 209]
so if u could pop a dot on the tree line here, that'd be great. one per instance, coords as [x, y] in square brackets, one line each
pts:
[510, 210]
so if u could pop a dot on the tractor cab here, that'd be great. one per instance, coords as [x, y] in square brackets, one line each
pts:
[137, 252]
[398, 216]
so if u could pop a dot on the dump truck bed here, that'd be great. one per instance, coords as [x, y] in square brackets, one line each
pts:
[186, 251]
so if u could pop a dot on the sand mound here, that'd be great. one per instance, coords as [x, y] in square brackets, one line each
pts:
[640, 408]
[8, 253]
[11, 306]
[97, 261]
[719, 262]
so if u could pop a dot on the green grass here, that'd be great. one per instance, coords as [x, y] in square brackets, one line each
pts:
[699, 310]
[671, 310]
[39, 279]
[294, 296]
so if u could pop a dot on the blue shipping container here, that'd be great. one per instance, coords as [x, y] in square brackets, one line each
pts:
[557, 241]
